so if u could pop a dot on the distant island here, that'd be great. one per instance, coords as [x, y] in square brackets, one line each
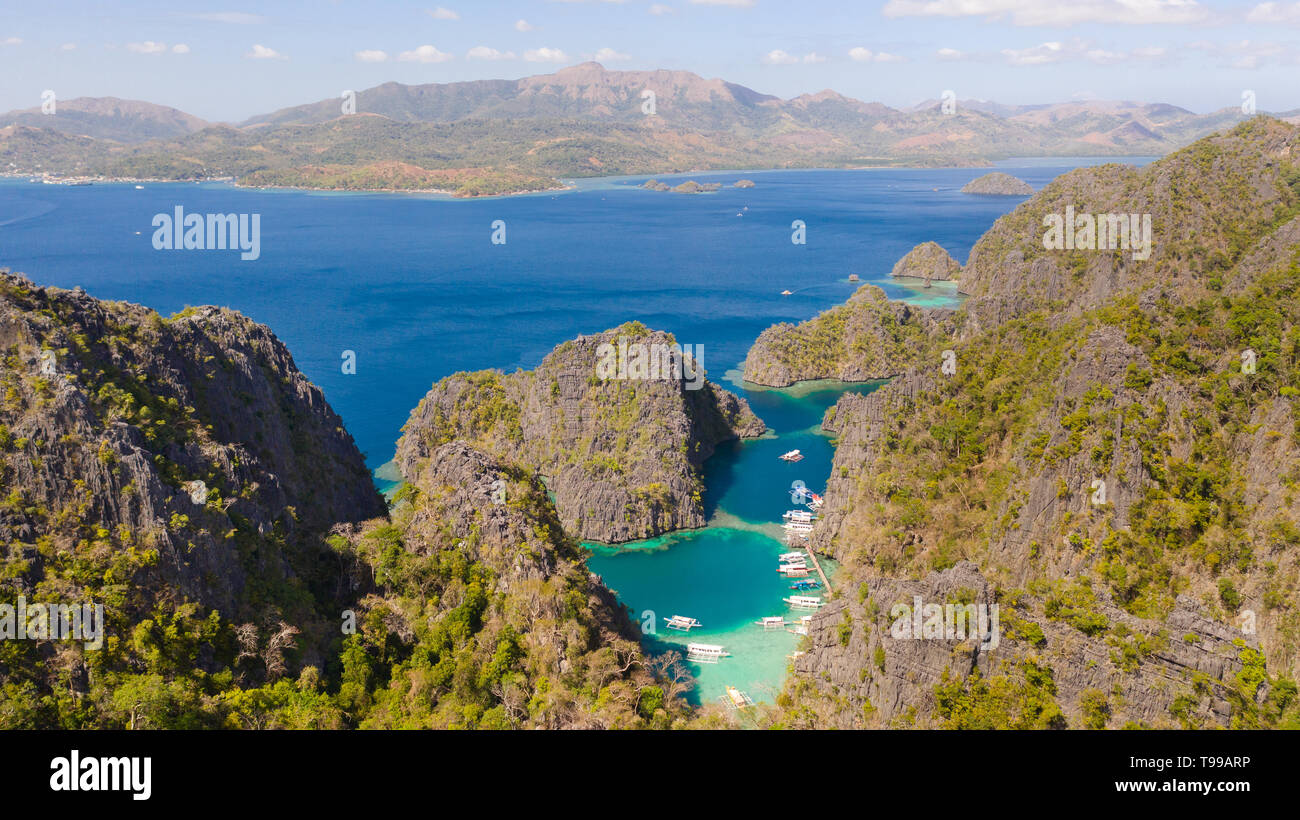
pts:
[690, 186]
[998, 184]
[515, 136]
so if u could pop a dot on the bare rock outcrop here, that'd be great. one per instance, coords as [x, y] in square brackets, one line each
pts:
[620, 454]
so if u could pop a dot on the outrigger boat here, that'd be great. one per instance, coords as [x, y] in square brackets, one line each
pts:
[798, 517]
[681, 622]
[799, 567]
[791, 557]
[800, 627]
[803, 601]
[738, 699]
[804, 585]
[772, 622]
[796, 573]
[793, 455]
[705, 652]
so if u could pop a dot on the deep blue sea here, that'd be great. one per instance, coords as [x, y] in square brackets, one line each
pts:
[415, 287]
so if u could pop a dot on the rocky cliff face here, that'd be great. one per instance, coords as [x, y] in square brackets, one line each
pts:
[1204, 202]
[865, 670]
[998, 184]
[620, 454]
[927, 261]
[193, 438]
[484, 579]
[868, 337]
[1110, 456]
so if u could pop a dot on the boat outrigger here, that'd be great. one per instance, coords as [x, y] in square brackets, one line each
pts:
[803, 601]
[738, 699]
[705, 652]
[682, 623]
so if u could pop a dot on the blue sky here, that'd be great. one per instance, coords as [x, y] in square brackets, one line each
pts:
[228, 62]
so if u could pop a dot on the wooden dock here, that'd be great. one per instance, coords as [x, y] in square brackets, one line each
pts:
[826, 584]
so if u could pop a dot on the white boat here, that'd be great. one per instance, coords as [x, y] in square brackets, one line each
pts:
[785, 293]
[803, 601]
[139, 187]
[798, 517]
[738, 699]
[793, 455]
[797, 527]
[772, 622]
[793, 567]
[800, 627]
[791, 557]
[796, 573]
[705, 652]
[682, 623]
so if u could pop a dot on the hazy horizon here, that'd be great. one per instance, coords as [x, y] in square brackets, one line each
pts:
[225, 65]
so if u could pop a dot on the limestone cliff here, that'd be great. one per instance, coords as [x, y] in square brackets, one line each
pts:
[475, 572]
[620, 454]
[928, 261]
[868, 337]
[1115, 449]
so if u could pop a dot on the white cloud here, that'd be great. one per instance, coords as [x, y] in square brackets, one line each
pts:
[779, 57]
[740, 4]
[441, 13]
[424, 54]
[234, 17]
[609, 55]
[660, 8]
[546, 55]
[866, 55]
[949, 54]
[11, 41]
[1288, 13]
[261, 52]
[68, 47]
[1050, 52]
[147, 47]
[180, 48]
[523, 25]
[485, 53]
[1056, 12]
[371, 55]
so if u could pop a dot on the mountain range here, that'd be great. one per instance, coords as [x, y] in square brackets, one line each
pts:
[500, 136]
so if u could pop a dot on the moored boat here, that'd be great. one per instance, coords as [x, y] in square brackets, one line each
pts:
[705, 652]
[803, 601]
[682, 623]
